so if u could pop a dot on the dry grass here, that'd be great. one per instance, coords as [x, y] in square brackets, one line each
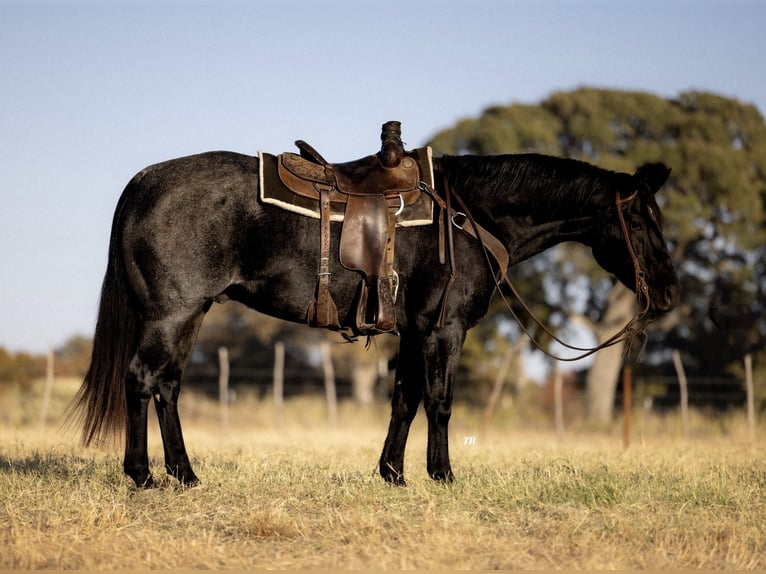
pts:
[309, 497]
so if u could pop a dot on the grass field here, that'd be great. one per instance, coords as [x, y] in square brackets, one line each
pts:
[309, 497]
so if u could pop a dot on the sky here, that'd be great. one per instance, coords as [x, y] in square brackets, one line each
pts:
[93, 91]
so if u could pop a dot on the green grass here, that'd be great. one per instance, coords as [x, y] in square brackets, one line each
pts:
[307, 496]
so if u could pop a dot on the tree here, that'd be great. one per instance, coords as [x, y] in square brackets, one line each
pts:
[20, 368]
[73, 357]
[713, 205]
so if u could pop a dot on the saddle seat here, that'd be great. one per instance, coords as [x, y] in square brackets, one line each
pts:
[374, 189]
[363, 177]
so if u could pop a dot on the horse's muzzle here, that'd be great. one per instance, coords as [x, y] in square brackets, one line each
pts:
[666, 298]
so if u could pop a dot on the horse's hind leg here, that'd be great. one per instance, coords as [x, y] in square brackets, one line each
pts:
[136, 461]
[155, 372]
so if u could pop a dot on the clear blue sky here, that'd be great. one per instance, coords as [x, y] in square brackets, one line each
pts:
[94, 91]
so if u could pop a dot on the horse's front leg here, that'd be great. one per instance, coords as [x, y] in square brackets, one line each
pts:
[408, 392]
[441, 351]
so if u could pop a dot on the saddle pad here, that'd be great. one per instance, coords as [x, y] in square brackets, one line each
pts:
[273, 192]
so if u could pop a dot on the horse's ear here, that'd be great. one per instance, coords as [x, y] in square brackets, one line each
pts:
[653, 174]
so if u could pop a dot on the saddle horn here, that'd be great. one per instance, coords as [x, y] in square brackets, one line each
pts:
[391, 147]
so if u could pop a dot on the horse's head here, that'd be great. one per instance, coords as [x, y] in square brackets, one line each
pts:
[629, 241]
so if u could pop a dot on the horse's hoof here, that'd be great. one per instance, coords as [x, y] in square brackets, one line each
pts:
[397, 480]
[145, 484]
[190, 482]
[186, 477]
[393, 477]
[444, 476]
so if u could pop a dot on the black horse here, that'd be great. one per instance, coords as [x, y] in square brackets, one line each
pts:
[191, 231]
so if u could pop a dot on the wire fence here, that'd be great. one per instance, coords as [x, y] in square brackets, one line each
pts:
[655, 392]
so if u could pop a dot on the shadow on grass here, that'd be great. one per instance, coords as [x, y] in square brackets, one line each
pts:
[62, 466]
[72, 469]
[47, 464]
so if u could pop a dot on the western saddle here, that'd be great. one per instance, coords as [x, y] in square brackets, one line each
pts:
[374, 189]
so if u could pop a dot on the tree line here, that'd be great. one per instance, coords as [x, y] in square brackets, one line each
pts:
[22, 368]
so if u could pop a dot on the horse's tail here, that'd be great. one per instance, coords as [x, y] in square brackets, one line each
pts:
[100, 405]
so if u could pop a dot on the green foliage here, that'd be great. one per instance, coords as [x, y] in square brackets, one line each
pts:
[73, 357]
[20, 368]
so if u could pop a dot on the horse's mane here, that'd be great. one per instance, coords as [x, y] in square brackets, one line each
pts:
[530, 179]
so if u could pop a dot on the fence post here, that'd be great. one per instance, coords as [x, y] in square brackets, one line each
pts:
[627, 403]
[558, 402]
[279, 381]
[750, 396]
[48, 387]
[497, 388]
[684, 392]
[383, 377]
[223, 386]
[329, 385]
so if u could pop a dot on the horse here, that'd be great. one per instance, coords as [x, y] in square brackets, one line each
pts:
[192, 231]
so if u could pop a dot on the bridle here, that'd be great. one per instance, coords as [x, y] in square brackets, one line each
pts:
[490, 245]
[642, 288]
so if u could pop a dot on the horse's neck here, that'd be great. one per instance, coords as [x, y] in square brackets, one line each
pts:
[531, 238]
[539, 213]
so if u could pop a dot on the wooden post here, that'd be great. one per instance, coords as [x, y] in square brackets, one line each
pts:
[558, 402]
[750, 396]
[223, 386]
[497, 388]
[382, 377]
[279, 381]
[684, 392]
[627, 403]
[329, 385]
[48, 387]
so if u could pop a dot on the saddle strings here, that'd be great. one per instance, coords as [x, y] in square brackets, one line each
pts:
[636, 326]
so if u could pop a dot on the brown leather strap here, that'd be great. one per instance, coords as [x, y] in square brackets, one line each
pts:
[491, 243]
[642, 289]
[383, 282]
[443, 223]
[451, 245]
[322, 311]
[390, 272]
[488, 241]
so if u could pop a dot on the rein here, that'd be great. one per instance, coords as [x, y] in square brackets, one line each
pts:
[636, 326]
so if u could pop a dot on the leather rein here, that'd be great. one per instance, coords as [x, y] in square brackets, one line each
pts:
[492, 246]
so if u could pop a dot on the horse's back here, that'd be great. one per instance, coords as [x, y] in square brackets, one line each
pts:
[204, 178]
